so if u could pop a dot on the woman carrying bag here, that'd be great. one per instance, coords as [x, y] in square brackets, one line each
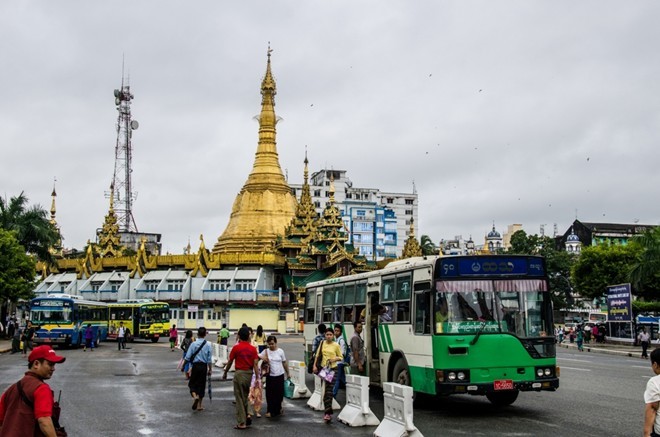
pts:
[325, 365]
[277, 369]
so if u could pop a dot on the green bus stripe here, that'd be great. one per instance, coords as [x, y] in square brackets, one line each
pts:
[389, 338]
[382, 339]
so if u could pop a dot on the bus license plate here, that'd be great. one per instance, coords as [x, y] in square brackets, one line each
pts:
[503, 384]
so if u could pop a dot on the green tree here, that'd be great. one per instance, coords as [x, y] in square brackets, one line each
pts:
[645, 270]
[17, 269]
[428, 248]
[32, 228]
[603, 265]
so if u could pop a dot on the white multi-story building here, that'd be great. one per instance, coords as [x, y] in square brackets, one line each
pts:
[384, 215]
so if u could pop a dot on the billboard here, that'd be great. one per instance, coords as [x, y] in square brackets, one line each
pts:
[619, 308]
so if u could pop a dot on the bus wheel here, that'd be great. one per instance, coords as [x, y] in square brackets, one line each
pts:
[504, 398]
[154, 339]
[401, 373]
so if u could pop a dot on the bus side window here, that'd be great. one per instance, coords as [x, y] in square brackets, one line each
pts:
[422, 313]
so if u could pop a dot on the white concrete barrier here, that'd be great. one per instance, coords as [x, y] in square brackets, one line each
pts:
[297, 373]
[398, 420]
[179, 340]
[316, 401]
[356, 412]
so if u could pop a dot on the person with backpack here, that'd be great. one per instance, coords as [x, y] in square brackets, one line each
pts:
[27, 406]
[340, 377]
[315, 345]
[201, 364]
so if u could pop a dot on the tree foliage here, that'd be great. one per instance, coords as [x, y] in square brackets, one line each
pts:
[17, 269]
[32, 228]
[645, 270]
[428, 247]
[603, 265]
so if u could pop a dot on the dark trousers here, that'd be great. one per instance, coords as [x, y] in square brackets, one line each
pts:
[121, 343]
[645, 346]
[274, 394]
[327, 395]
[340, 379]
[223, 341]
[197, 382]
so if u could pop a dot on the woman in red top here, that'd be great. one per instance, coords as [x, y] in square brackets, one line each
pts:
[173, 337]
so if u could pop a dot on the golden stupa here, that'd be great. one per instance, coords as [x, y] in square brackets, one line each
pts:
[265, 206]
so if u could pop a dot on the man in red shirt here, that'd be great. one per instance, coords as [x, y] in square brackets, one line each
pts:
[28, 404]
[246, 358]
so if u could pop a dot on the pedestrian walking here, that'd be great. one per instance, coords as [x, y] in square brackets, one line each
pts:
[201, 364]
[185, 345]
[173, 337]
[21, 418]
[223, 335]
[28, 336]
[644, 339]
[121, 337]
[340, 376]
[246, 358]
[315, 346]
[16, 341]
[357, 350]
[260, 339]
[327, 358]
[278, 369]
[89, 338]
[652, 398]
[579, 339]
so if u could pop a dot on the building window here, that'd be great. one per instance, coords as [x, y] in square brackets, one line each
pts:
[327, 183]
[327, 194]
[317, 193]
[409, 212]
[390, 200]
[410, 201]
[360, 213]
[349, 195]
[317, 204]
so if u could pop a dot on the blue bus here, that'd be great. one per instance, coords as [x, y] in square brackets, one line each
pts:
[61, 319]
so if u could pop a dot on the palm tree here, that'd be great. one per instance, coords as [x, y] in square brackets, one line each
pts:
[428, 248]
[644, 273]
[31, 226]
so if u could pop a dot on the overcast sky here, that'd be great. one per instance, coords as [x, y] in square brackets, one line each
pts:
[511, 111]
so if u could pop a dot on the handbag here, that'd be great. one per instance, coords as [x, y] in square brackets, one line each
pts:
[192, 358]
[327, 374]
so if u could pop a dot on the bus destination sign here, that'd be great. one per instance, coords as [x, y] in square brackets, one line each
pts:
[489, 265]
[50, 303]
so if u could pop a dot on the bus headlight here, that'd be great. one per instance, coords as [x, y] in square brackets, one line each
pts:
[547, 372]
[461, 376]
[539, 372]
[451, 376]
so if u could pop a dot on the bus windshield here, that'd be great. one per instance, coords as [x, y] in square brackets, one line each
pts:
[42, 316]
[518, 306]
[154, 316]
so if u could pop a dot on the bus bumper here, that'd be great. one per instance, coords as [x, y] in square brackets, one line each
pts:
[548, 384]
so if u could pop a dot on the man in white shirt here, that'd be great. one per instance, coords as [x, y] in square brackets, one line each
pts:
[121, 337]
[652, 398]
[644, 339]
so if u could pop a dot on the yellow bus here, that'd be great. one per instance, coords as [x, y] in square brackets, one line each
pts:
[143, 317]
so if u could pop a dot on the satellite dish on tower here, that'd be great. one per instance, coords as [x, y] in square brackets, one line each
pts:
[134, 124]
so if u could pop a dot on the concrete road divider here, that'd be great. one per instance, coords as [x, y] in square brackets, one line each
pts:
[398, 420]
[297, 372]
[356, 412]
[316, 401]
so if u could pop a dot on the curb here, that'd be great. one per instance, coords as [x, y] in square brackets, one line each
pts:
[632, 354]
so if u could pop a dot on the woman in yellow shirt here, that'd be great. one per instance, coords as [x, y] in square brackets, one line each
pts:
[328, 355]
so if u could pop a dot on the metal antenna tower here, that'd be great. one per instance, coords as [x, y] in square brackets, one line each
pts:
[121, 179]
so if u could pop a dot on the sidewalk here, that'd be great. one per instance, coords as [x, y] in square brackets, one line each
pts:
[5, 346]
[626, 350]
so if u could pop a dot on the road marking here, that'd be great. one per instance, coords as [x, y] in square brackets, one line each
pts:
[573, 359]
[575, 368]
[642, 367]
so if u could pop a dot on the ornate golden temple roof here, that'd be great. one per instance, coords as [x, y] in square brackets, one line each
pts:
[412, 247]
[265, 206]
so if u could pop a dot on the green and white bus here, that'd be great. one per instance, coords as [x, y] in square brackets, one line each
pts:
[479, 325]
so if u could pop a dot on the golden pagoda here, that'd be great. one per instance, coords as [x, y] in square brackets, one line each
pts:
[412, 247]
[265, 205]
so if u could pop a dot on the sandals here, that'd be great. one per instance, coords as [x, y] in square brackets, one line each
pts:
[240, 427]
[195, 402]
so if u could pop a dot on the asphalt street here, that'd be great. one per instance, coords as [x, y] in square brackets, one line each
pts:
[139, 391]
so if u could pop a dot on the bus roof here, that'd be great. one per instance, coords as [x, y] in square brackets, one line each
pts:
[63, 297]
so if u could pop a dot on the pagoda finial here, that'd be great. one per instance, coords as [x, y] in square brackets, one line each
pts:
[53, 210]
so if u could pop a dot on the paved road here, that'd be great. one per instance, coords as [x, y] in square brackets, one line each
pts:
[139, 391]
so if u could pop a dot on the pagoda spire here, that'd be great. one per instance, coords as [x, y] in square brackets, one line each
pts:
[56, 249]
[53, 210]
[265, 205]
[412, 247]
